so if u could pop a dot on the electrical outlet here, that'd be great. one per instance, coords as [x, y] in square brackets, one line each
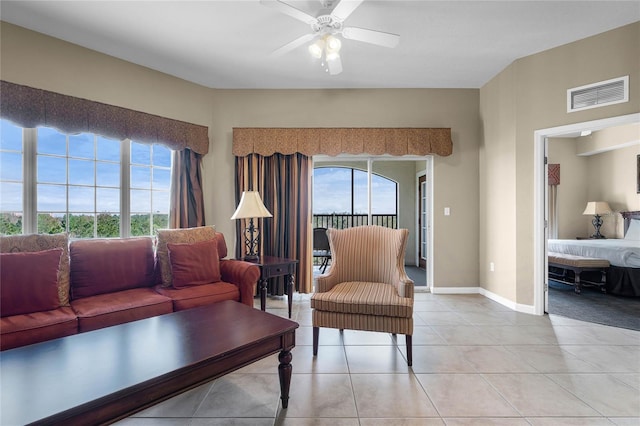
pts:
[447, 211]
[492, 267]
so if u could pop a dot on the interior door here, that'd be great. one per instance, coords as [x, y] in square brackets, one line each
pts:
[546, 225]
[423, 222]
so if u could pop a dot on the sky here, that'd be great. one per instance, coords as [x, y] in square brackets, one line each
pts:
[332, 192]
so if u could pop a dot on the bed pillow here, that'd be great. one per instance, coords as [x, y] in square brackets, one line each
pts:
[29, 282]
[633, 233]
[194, 264]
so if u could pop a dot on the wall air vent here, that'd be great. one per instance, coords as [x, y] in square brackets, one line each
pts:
[595, 95]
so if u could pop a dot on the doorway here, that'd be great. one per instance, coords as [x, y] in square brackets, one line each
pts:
[403, 170]
[541, 234]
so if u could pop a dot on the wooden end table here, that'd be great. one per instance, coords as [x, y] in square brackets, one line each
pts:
[271, 267]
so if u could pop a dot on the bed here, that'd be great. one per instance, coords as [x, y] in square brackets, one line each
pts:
[623, 276]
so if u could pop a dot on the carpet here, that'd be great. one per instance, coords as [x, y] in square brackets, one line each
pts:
[594, 306]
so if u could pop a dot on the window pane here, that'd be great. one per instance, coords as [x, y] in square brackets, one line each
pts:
[360, 195]
[161, 178]
[161, 156]
[10, 223]
[140, 154]
[50, 141]
[51, 223]
[10, 136]
[108, 174]
[52, 169]
[160, 221]
[108, 149]
[81, 172]
[107, 200]
[81, 225]
[52, 198]
[10, 197]
[160, 202]
[81, 146]
[331, 190]
[140, 201]
[140, 177]
[108, 225]
[383, 195]
[140, 224]
[81, 199]
[10, 166]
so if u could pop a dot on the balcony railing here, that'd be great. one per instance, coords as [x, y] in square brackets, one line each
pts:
[341, 221]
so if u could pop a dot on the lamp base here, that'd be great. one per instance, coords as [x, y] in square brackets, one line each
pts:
[251, 258]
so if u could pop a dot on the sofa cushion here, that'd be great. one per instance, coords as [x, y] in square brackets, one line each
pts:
[40, 242]
[177, 236]
[101, 266]
[29, 282]
[194, 264]
[26, 329]
[191, 297]
[104, 310]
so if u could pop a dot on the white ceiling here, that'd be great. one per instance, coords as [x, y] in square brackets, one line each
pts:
[227, 44]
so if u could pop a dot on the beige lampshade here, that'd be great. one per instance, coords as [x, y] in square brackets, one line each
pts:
[597, 208]
[250, 206]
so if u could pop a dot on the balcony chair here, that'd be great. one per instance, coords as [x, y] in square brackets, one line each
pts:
[321, 247]
[367, 287]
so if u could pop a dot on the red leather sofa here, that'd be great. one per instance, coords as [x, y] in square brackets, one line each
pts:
[53, 288]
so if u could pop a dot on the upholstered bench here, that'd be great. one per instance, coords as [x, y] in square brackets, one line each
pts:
[577, 264]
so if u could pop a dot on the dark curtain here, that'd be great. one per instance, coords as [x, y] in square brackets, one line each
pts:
[283, 183]
[187, 203]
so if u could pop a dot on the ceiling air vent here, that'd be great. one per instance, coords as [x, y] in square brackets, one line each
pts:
[595, 95]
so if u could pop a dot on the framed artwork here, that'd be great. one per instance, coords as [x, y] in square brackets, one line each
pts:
[638, 173]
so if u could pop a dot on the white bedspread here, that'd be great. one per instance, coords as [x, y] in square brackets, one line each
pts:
[618, 252]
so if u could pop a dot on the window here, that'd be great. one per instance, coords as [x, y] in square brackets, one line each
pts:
[84, 184]
[340, 198]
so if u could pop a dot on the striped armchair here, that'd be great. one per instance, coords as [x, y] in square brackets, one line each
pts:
[367, 287]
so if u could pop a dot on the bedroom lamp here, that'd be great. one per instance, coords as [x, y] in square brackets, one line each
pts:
[251, 207]
[597, 208]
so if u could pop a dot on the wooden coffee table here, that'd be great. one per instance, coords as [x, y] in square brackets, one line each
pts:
[108, 374]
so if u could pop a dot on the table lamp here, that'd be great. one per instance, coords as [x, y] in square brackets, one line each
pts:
[597, 208]
[251, 207]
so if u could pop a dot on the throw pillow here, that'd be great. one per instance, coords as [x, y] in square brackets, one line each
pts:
[29, 282]
[194, 264]
[41, 242]
[177, 236]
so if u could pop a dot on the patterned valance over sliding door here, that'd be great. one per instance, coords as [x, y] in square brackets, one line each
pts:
[335, 141]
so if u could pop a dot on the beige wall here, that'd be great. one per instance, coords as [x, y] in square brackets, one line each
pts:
[39, 61]
[455, 177]
[535, 87]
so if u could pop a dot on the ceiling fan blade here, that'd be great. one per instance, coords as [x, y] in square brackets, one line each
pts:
[345, 8]
[289, 10]
[370, 36]
[335, 65]
[292, 45]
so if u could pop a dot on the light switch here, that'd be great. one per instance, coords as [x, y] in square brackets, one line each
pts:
[447, 211]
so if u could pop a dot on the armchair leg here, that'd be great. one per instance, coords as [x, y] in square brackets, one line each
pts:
[316, 334]
[409, 350]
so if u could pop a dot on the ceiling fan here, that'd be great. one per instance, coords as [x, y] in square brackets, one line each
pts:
[326, 27]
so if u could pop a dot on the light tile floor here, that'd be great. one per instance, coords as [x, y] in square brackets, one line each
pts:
[475, 362]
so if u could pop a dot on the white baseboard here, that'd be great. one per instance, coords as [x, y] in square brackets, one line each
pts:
[455, 290]
[518, 307]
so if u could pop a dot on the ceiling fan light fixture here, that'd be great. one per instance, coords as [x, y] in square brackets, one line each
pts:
[316, 49]
[333, 56]
[333, 44]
